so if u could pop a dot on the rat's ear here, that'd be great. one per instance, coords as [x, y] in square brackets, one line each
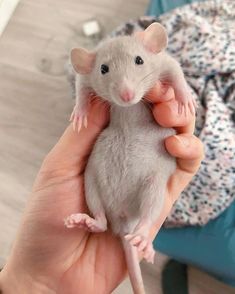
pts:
[154, 37]
[82, 60]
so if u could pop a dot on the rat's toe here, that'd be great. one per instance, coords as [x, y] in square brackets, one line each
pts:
[135, 240]
[142, 245]
[68, 223]
[149, 253]
[192, 106]
[180, 107]
[95, 226]
[85, 123]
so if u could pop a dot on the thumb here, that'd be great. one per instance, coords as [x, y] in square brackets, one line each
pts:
[188, 150]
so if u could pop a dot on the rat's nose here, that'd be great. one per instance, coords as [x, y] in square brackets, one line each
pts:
[127, 95]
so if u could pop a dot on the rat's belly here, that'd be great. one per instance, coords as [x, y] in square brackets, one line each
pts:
[120, 163]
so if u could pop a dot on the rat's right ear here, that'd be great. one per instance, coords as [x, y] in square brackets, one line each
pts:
[82, 60]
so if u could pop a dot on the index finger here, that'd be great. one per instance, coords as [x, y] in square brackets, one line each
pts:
[166, 114]
[165, 109]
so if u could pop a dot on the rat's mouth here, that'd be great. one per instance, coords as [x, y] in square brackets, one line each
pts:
[122, 103]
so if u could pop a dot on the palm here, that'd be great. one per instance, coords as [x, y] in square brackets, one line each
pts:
[72, 258]
[62, 253]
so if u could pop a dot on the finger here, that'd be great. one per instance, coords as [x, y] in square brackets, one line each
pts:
[160, 92]
[73, 147]
[188, 151]
[167, 115]
[167, 206]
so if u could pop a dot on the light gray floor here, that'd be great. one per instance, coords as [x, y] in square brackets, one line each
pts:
[35, 103]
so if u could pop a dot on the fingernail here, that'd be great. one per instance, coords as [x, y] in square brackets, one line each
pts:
[183, 140]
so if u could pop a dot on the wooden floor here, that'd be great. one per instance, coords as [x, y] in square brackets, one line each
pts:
[35, 103]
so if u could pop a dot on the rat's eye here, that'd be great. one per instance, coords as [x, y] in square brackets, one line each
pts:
[138, 60]
[104, 69]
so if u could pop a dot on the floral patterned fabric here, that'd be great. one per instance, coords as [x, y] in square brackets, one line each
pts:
[202, 39]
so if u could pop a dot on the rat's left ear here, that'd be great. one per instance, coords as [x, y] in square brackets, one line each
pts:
[154, 37]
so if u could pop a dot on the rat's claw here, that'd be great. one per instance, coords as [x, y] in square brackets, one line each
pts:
[185, 108]
[72, 115]
[142, 245]
[79, 124]
[136, 240]
[186, 101]
[195, 103]
[149, 252]
[128, 237]
[149, 257]
[75, 122]
[85, 121]
[180, 107]
[191, 105]
[79, 119]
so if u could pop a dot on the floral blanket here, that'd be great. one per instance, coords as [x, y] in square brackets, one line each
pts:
[202, 39]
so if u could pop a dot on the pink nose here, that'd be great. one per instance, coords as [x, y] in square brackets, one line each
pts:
[127, 95]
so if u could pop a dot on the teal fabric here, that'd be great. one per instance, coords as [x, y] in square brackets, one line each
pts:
[158, 7]
[211, 248]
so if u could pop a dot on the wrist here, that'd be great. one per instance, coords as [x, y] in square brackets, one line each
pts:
[18, 282]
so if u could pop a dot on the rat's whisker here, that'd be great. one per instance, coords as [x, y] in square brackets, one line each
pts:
[146, 99]
[146, 76]
[146, 103]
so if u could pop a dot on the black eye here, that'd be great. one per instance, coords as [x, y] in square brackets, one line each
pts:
[139, 60]
[104, 69]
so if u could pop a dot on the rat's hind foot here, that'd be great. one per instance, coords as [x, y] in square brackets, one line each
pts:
[84, 221]
[149, 253]
[143, 244]
[79, 119]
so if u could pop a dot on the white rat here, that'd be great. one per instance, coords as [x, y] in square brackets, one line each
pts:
[128, 169]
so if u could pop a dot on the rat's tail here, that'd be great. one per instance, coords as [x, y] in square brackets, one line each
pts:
[133, 267]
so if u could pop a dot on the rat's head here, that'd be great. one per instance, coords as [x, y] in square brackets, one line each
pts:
[121, 70]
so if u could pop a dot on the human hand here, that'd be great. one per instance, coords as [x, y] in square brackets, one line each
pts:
[49, 258]
[184, 146]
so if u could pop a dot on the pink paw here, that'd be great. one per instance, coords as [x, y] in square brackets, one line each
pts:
[84, 221]
[143, 244]
[186, 102]
[79, 118]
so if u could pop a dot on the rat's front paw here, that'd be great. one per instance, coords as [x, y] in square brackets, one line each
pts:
[185, 101]
[79, 118]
